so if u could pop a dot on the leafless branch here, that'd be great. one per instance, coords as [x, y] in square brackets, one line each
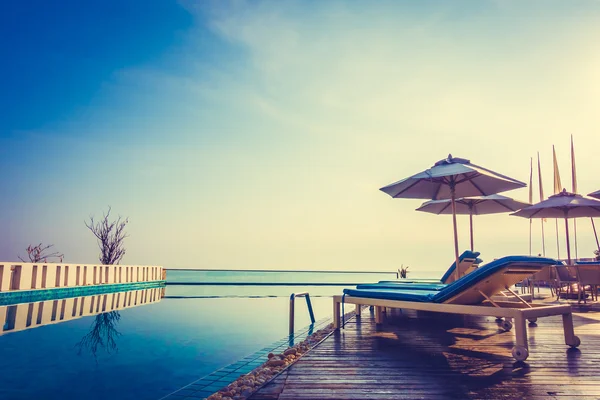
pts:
[38, 253]
[110, 236]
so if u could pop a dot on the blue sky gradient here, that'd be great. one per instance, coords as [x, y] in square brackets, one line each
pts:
[256, 134]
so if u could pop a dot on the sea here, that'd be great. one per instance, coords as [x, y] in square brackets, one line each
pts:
[146, 344]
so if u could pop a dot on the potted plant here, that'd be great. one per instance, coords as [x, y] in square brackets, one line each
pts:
[402, 271]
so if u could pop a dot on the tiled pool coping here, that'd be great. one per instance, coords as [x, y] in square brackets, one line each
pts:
[29, 296]
[217, 380]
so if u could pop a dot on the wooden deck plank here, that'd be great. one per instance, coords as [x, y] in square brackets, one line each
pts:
[452, 357]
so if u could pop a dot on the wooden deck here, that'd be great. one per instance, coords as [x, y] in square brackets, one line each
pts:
[445, 357]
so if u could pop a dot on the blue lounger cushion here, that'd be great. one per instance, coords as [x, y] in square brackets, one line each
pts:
[394, 294]
[403, 285]
[486, 271]
[587, 262]
[453, 289]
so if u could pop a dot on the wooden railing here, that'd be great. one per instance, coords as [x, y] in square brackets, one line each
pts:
[27, 276]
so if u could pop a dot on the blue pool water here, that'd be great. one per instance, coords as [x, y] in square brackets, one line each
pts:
[71, 349]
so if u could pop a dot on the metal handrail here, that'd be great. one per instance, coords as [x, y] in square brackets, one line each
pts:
[308, 304]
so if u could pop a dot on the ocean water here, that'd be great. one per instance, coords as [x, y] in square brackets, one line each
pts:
[155, 344]
[278, 278]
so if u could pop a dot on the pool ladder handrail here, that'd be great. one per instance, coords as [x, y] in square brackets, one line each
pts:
[292, 307]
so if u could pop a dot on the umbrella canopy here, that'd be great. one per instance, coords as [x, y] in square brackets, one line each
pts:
[478, 205]
[448, 179]
[562, 205]
[452, 177]
[595, 194]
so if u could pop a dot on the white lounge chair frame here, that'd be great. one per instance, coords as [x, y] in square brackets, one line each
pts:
[518, 312]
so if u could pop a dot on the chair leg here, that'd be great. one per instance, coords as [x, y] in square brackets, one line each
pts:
[378, 315]
[559, 289]
[521, 350]
[570, 338]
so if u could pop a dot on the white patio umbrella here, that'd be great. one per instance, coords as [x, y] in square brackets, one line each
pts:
[562, 205]
[478, 205]
[452, 178]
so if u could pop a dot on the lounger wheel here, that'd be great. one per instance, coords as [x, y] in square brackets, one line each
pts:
[506, 325]
[533, 320]
[520, 353]
[576, 342]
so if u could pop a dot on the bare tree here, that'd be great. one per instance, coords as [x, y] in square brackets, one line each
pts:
[40, 253]
[110, 235]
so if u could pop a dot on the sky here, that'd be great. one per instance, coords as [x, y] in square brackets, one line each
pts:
[256, 134]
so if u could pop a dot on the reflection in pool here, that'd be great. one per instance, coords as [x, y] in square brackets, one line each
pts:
[32, 315]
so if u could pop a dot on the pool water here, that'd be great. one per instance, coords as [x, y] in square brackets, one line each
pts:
[145, 350]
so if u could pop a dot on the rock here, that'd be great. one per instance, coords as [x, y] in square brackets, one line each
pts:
[275, 363]
[289, 352]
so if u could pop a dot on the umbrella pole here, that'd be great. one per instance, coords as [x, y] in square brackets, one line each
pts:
[471, 223]
[456, 271]
[595, 234]
[530, 222]
[557, 242]
[568, 244]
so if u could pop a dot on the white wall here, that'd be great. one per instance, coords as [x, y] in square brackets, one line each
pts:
[27, 276]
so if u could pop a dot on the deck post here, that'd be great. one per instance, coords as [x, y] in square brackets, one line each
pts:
[336, 313]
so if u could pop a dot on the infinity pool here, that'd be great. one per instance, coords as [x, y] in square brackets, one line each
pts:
[145, 344]
[143, 352]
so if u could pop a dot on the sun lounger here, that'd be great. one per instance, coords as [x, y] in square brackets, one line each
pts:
[472, 295]
[468, 262]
